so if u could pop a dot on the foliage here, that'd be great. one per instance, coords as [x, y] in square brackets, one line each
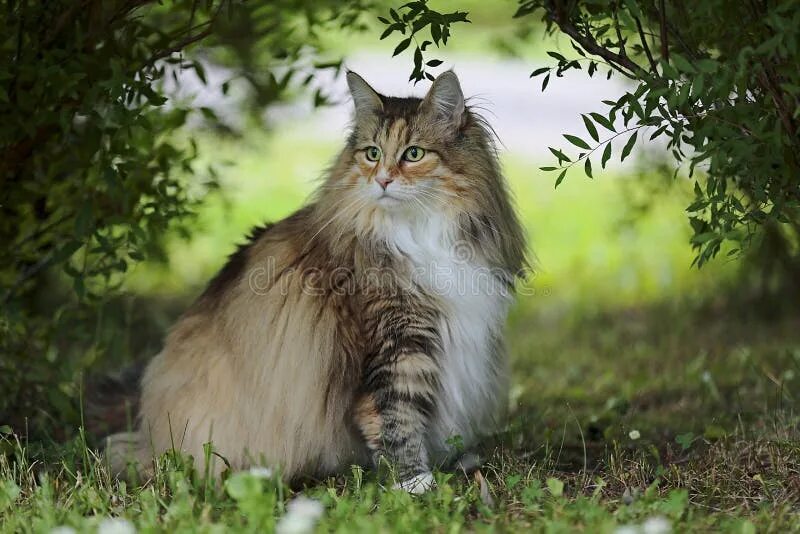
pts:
[718, 81]
[416, 16]
[91, 171]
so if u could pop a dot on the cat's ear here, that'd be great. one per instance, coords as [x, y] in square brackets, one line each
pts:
[365, 98]
[445, 99]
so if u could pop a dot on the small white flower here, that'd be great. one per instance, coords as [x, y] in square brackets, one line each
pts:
[301, 515]
[626, 529]
[63, 529]
[261, 472]
[656, 525]
[115, 525]
[634, 435]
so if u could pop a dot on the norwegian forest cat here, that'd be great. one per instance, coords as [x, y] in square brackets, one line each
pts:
[365, 327]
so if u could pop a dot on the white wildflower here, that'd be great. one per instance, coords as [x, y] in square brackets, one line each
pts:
[656, 525]
[634, 435]
[63, 529]
[261, 472]
[301, 515]
[115, 525]
[626, 529]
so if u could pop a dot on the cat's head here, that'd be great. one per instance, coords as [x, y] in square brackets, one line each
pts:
[416, 155]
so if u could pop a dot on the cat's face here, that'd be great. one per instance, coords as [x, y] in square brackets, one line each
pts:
[411, 155]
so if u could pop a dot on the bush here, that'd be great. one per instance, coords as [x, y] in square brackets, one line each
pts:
[91, 173]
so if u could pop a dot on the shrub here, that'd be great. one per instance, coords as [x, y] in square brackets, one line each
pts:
[91, 173]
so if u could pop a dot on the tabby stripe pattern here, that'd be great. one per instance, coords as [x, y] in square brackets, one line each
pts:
[400, 382]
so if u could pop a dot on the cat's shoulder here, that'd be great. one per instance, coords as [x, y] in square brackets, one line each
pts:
[262, 240]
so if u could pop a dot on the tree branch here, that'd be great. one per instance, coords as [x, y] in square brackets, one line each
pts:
[662, 20]
[644, 45]
[180, 45]
[622, 64]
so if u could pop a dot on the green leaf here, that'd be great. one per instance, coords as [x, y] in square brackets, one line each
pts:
[555, 486]
[387, 32]
[714, 432]
[577, 141]
[707, 66]
[539, 71]
[558, 154]
[590, 127]
[417, 59]
[560, 178]
[606, 155]
[434, 62]
[658, 132]
[402, 46]
[512, 481]
[633, 8]
[626, 150]
[587, 167]
[704, 237]
[9, 493]
[436, 33]
[242, 485]
[685, 440]
[682, 64]
[603, 121]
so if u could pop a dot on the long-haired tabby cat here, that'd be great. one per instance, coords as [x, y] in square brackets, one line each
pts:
[365, 326]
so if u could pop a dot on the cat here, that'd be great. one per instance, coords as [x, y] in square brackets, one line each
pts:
[365, 328]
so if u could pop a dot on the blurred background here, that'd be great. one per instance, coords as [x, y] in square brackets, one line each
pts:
[619, 320]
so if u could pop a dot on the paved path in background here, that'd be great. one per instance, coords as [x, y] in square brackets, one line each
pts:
[526, 120]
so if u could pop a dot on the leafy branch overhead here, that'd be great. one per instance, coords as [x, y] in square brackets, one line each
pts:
[717, 80]
[412, 21]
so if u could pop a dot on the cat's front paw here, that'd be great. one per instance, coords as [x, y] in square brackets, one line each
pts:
[418, 484]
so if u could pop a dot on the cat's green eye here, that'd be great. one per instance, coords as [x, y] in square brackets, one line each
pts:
[413, 153]
[373, 153]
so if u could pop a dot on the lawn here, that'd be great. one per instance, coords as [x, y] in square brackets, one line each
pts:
[645, 397]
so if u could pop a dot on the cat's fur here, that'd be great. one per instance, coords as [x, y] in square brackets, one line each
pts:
[362, 326]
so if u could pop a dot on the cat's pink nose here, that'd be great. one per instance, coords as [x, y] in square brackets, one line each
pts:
[384, 182]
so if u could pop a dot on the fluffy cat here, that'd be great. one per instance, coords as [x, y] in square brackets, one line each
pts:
[365, 327]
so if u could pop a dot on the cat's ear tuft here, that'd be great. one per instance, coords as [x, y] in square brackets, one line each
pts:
[446, 99]
[365, 98]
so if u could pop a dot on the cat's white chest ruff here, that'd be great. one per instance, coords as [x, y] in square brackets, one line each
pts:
[474, 302]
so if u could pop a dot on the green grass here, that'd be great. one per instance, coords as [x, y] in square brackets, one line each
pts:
[640, 390]
[685, 415]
